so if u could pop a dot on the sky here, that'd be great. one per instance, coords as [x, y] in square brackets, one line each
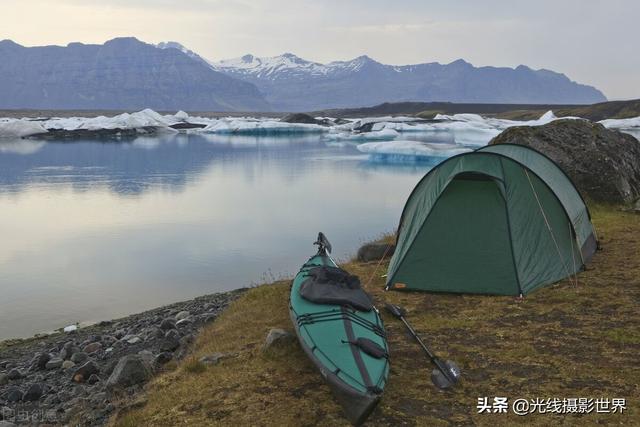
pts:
[594, 42]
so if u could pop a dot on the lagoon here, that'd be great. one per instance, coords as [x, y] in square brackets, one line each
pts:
[93, 230]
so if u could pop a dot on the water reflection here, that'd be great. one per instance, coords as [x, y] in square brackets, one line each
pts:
[93, 230]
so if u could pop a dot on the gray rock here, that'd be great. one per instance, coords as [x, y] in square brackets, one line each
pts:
[40, 360]
[277, 337]
[168, 324]
[375, 251]
[15, 374]
[33, 393]
[147, 355]
[93, 379]
[14, 394]
[182, 315]
[79, 357]
[130, 370]
[7, 424]
[134, 340]
[4, 379]
[604, 164]
[171, 341]
[214, 358]
[68, 364]
[84, 372]
[54, 364]
[163, 358]
[92, 348]
[184, 322]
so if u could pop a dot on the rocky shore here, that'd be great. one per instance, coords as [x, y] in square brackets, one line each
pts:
[81, 377]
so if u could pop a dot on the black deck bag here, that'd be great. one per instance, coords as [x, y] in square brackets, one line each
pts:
[332, 285]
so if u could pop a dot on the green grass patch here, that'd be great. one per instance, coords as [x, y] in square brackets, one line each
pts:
[562, 341]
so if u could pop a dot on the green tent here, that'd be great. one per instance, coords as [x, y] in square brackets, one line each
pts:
[504, 219]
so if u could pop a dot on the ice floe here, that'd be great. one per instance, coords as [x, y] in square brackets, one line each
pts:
[407, 148]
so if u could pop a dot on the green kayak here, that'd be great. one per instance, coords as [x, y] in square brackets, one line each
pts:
[341, 332]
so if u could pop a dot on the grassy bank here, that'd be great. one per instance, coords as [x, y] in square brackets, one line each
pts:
[562, 341]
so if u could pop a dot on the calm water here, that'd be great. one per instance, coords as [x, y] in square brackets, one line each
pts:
[93, 230]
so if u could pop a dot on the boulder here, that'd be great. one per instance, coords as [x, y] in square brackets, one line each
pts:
[130, 370]
[375, 251]
[14, 394]
[277, 337]
[54, 364]
[182, 315]
[4, 379]
[15, 374]
[168, 324]
[604, 164]
[40, 360]
[92, 348]
[79, 357]
[171, 341]
[68, 364]
[214, 358]
[84, 372]
[163, 358]
[34, 393]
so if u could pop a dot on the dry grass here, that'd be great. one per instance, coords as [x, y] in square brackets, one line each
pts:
[562, 341]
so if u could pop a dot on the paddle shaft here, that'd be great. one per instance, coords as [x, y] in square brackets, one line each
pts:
[415, 335]
[435, 359]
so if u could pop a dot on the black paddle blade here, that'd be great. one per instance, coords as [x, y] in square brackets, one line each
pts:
[395, 310]
[448, 378]
[323, 243]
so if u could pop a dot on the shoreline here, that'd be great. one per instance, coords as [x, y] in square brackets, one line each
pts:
[83, 376]
[87, 325]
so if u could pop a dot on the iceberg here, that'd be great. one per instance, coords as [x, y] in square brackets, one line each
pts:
[400, 150]
[245, 126]
[632, 123]
[20, 128]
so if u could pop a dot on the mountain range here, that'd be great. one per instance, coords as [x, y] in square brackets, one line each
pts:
[125, 73]
[290, 83]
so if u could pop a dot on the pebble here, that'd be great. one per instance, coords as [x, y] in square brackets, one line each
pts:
[54, 364]
[277, 337]
[163, 358]
[92, 348]
[182, 315]
[14, 394]
[85, 371]
[168, 324]
[68, 364]
[134, 340]
[40, 360]
[79, 357]
[33, 393]
[171, 341]
[15, 374]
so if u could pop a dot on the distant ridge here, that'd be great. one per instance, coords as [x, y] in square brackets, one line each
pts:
[291, 83]
[123, 73]
[594, 112]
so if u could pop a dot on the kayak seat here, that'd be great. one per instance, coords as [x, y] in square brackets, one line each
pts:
[334, 286]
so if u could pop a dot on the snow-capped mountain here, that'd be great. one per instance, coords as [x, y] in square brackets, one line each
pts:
[291, 83]
[123, 73]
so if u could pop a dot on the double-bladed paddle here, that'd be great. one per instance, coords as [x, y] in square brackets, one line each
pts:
[447, 372]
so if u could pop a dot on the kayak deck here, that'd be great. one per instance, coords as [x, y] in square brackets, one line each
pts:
[327, 333]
